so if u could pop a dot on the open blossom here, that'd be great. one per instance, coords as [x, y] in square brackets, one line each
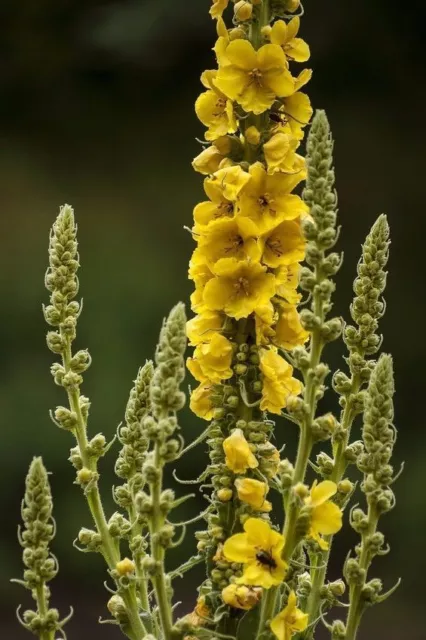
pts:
[326, 517]
[238, 288]
[230, 238]
[238, 455]
[267, 199]
[212, 360]
[253, 492]
[214, 109]
[289, 332]
[290, 620]
[200, 401]
[283, 244]
[278, 382]
[284, 35]
[203, 327]
[280, 154]
[254, 78]
[259, 549]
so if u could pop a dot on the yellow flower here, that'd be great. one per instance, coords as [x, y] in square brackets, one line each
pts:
[287, 280]
[222, 42]
[285, 244]
[264, 319]
[294, 114]
[214, 110]
[200, 401]
[240, 596]
[284, 35]
[326, 516]
[259, 549]
[291, 620]
[222, 188]
[231, 181]
[238, 288]
[267, 199]
[208, 161]
[202, 328]
[200, 273]
[280, 154]
[289, 333]
[230, 238]
[212, 360]
[254, 78]
[278, 382]
[218, 7]
[238, 455]
[253, 492]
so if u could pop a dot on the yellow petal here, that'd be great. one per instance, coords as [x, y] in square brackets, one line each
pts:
[302, 79]
[322, 492]
[270, 56]
[279, 33]
[293, 28]
[238, 549]
[258, 532]
[327, 518]
[242, 54]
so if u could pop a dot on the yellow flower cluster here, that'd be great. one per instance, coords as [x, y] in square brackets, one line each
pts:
[248, 230]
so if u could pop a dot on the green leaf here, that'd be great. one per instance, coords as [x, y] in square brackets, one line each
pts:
[248, 625]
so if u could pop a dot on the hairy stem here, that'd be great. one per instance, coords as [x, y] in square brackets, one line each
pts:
[319, 574]
[42, 608]
[109, 549]
[355, 607]
[157, 550]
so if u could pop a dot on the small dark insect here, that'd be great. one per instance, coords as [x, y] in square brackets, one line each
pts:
[265, 558]
[275, 117]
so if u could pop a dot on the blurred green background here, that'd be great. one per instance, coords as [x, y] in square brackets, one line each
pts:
[96, 109]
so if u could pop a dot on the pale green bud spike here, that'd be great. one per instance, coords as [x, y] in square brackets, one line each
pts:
[38, 531]
[38, 526]
[378, 432]
[319, 193]
[131, 435]
[170, 371]
[378, 414]
[320, 230]
[63, 255]
[368, 306]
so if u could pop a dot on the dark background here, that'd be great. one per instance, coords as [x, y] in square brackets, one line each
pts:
[96, 109]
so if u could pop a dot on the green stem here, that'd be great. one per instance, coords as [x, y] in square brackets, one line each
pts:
[356, 607]
[318, 575]
[42, 608]
[157, 550]
[141, 581]
[109, 549]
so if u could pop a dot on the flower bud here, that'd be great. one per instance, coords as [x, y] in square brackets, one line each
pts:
[125, 566]
[224, 495]
[252, 135]
[243, 10]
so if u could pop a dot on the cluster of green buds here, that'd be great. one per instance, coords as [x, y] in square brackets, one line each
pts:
[40, 565]
[321, 234]
[378, 436]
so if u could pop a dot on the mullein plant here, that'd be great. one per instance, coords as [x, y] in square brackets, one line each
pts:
[263, 270]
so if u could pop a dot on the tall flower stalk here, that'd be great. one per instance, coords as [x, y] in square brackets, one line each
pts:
[261, 325]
